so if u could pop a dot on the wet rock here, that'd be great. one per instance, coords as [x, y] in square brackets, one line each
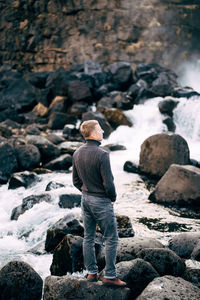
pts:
[115, 147]
[128, 248]
[130, 167]
[124, 226]
[57, 120]
[170, 287]
[179, 185]
[55, 139]
[167, 106]
[121, 74]
[52, 185]
[66, 225]
[63, 162]
[28, 156]
[25, 179]
[137, 274]
[192, 275]
[101, 119]
[165, 261]
[183, 244]
[67, 256]
[168, 121]
[69, 147]
[148, 72]
[159, 151]
[18, 280]
[69, 201]
[28, 203]
[47, 149]
[58, 288]
[8, 159]
[185, 92]
[116, 117]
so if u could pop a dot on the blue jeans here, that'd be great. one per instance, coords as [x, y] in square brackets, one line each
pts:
[99, 211]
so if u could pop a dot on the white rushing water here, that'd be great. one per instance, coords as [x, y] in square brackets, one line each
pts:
[17, 238]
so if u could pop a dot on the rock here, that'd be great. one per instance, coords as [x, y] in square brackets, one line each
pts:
[80, 89]
[71, 287]
[115, 147]
[5, 131]
[196, 252]
[137, 274]
[101, 119]
[130, 167]
[124, 226]
[183, 244]
[52, 185]
[47, 149]
[167, 106]
[28, 203]
[168, 121]
[59, 104]
[54, 138]
[165, 261]
[69, 200]
[66, 225]
[32, 129]
[71, 133]
[25, 179]
[18, 280]
[128, 248]
[159, 151]
[8, 159]
[164, 84]
[148, 72]
[77, 109]
[58, 120]
[121, 74]
[192, 275]
[179, 185]
[38, 79]
[170, 287]
[67, 256]
[28, 156]
[185, 92]
[116, 117]
[69, 147]
[40, 109]
[63, 162]
[91, 67]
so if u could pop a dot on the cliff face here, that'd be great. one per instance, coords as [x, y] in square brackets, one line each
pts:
[46, 34]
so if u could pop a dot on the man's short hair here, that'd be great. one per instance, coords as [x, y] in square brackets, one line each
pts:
[87, 127]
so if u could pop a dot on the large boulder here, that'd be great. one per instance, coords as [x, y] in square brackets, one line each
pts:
[28, 156]
[159, 151]
[63, 162]
[121, 74]
[18, 280]
[129, 248]
[66, 225]
[180, 185]
[170, 287]
[71, 287]
[184, 243]
[28, 203]
[8, 159]
[165, 261]
[137, 274]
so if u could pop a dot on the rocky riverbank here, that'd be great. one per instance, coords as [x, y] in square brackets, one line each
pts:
[40, 117]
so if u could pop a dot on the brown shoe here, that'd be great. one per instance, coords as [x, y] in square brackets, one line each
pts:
[92, 277]
[115, 282]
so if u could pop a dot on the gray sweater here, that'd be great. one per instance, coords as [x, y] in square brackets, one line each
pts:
[92, 173]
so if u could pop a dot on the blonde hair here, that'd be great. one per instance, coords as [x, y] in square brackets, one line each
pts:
[87, 127]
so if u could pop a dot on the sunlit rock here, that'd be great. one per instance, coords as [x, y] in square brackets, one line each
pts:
[159, 151]
[179, 185]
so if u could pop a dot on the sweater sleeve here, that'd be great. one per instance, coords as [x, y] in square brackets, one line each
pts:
[107, 177]
[77, 182]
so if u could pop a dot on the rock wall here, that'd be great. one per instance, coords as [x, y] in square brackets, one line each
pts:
[45, 34]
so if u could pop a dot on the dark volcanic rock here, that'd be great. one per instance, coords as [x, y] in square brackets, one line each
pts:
[69, 201]
[167, 106]
[52, 185]
[58, 120]
[55, 234]
[69, 147]
[121, 74]
[28, 156]
[55, 139]
[137, 274]
[70, 287]
[18, 280]
[196, 252]
[124, 226]
[170, 287]
[165, 261]
[192, 275]
[168, 121]
[25, 179]
[28, 203]
[131, 167]
[63, 162]
[183, 244]
[80, 89]
[8, 159]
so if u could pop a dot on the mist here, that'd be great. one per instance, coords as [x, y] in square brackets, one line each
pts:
[189, 74]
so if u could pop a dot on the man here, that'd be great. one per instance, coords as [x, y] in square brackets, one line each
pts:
[92, 175]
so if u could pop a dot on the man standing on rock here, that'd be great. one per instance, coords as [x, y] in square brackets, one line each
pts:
[92, 175]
